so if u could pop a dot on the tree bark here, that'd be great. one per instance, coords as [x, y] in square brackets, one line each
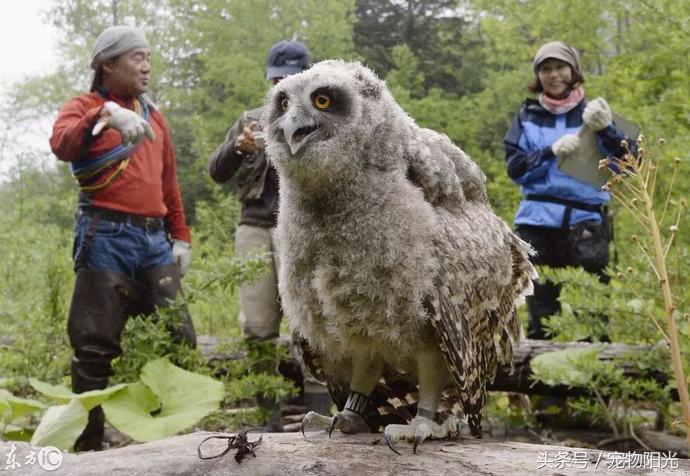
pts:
[363, 454]
[519, 378]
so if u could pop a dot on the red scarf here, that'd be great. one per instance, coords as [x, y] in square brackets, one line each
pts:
[561, 106]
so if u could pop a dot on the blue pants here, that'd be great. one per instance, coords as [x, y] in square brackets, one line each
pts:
[120, 247]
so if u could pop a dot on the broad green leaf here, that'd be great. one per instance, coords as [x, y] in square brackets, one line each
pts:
[179, 399]
[560, 367]
[5, 410]
[18, 406]
[57, 392]
[137, 399]
[61, 425]
[16, 433]
[62, 394]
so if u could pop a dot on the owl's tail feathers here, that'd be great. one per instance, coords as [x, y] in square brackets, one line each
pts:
[395, 398]
[393, 402]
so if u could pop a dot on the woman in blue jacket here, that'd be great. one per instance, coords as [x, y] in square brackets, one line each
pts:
[563, 218]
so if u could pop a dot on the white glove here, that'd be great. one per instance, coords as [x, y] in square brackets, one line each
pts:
[132, 126]
[566, 145]
[597, 114]
[182, 253]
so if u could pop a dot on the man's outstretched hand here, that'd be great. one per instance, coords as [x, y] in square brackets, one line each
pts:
[131, 126]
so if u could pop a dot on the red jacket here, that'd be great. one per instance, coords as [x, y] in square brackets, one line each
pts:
[148, 186]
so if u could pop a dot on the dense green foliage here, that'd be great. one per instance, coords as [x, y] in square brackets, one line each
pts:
[460, 67]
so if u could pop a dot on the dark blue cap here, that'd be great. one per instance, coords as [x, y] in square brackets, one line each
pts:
[285, 58]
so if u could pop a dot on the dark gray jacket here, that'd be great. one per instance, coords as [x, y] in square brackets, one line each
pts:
[256, 179]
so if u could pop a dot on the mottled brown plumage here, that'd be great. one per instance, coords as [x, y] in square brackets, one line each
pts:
[393, 264]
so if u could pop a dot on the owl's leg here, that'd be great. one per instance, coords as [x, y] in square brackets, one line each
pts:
[432, 378]
[366, 371]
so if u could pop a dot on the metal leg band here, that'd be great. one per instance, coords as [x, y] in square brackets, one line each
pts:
[356, 402]
[428, 414]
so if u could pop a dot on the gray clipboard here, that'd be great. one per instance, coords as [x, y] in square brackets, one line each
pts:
[583, 163]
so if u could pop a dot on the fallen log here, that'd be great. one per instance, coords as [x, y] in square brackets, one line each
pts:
[363, 454]
[518, 379]
[521, 378]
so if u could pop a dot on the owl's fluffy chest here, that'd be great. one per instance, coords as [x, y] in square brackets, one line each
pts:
[360, 271]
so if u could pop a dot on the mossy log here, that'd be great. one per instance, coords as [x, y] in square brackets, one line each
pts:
[517, 378]
[363, 454]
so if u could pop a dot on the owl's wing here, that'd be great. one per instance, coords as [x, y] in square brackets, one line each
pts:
[442, 170]
[484, 273]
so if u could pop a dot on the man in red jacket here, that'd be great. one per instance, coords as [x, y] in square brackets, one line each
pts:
[132, 242]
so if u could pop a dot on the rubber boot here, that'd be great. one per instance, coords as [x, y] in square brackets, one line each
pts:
[101, 303]
[91, 439]
[162, 284]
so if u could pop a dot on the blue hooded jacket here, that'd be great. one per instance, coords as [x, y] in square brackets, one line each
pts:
[533, 165]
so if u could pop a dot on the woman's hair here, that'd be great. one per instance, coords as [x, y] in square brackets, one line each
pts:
[577, 80]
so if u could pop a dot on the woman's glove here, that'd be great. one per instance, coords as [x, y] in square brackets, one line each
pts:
[597, 114]
[182, 254]
[132, 126]
[566, 145]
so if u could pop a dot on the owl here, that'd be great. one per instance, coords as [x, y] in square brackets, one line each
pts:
[392, 264]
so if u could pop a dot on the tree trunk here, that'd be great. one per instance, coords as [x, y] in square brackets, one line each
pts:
[363, 454]
[519, 380]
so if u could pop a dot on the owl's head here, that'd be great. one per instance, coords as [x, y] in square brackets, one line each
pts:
[329, 117]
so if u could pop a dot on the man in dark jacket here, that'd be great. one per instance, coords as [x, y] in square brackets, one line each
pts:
[241, 156]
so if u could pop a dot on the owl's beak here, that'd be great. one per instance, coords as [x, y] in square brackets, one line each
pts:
[295, 130]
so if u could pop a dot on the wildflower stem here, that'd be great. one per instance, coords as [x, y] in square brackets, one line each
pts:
[649, 258]
[671, 326]
[638, 215]
[633, 190]
[668, 194]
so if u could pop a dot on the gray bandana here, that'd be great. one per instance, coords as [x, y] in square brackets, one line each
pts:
[114, 41]
[558, 50]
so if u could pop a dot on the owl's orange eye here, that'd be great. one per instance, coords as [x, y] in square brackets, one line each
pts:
[322, 101]
[284, 104]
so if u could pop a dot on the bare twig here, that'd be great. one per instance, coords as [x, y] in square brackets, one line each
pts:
[639, 441]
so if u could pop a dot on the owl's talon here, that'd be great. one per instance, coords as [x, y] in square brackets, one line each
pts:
[335, 420]
[417, 440]
[420, 429]
[345, 421]
[391, 445]
[313, 419]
